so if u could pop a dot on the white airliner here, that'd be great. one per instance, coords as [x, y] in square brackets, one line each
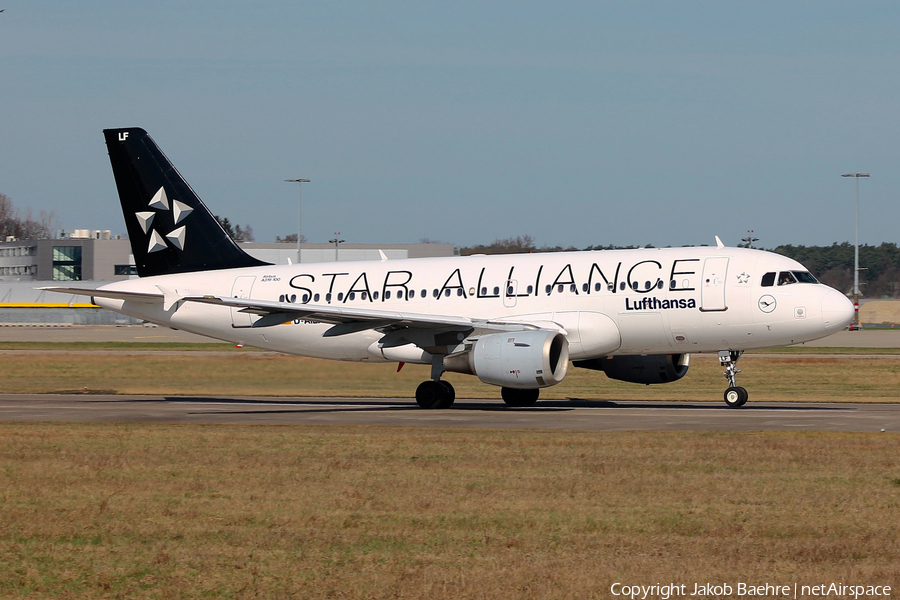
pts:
[515, 321]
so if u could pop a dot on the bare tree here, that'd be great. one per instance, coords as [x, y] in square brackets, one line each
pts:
[290, 238]
[24, 227]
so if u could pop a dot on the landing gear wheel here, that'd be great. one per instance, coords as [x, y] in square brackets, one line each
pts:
[429, 394]
[519, 398]
[449, 395]
[735, 397]
[435, 394]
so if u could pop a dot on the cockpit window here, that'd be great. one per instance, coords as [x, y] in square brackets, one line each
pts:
[805, 277]
[768, 280]
[786, 278]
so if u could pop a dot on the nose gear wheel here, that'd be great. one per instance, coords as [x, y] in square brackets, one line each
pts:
[735, 396]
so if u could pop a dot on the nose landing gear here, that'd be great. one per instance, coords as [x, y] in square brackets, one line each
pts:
[735, 396]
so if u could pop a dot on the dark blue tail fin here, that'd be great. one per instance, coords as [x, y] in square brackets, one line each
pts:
[171, 230]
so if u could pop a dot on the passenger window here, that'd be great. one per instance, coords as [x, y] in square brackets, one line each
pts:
[484, 291]
[435, 293]
[496, 291]
[622, 286]
[786, 278]
[305, 298]
[316, 298]
[447, 293]
[340, 296]
[374, 295]
[768, 280]
[530, 288]
[560, 288]
[548, 288]
[459, 292]
[659, 284]
[351, 296]
[573, 288]
[387, 295]
[597, 287]
[328, 297]
[363, 296]
[584, 287]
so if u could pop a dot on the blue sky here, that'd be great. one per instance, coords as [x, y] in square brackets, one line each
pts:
[578, 123]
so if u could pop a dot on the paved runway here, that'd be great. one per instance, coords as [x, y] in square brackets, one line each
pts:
[873, 338]
[551, 414]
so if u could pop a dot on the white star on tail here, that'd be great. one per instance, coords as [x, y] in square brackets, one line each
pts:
[160, 200]
[177, 238]
[145, 219]
[181, 210]
[157, 243]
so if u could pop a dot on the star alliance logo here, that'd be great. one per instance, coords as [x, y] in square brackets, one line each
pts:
[180, 211]
[743, 277]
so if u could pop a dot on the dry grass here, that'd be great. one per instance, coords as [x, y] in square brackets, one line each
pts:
[778, 378]
[162, 511]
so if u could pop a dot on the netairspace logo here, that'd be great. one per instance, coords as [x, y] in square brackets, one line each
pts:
[666, 591]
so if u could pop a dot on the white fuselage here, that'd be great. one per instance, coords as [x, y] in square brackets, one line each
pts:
[660, 301]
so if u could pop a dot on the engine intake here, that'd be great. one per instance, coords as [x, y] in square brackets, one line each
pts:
[653, 368]
[520, 359]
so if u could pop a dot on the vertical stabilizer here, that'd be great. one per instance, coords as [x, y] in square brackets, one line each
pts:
[170, 229]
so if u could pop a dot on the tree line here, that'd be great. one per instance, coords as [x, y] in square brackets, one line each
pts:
[832, 265]
[13, 223]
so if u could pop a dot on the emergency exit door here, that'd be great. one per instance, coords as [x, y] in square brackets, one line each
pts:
[712, 285]
[241, 289]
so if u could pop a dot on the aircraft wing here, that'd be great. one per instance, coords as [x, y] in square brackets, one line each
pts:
[352, 319]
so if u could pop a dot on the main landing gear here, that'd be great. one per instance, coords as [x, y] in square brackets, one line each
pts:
[435, 393]
[735, 396]
[518, 397]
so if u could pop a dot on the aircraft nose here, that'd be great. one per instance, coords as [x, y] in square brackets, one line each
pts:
[837, 311]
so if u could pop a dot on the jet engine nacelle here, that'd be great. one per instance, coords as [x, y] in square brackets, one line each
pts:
[519, 359]
[654, 368]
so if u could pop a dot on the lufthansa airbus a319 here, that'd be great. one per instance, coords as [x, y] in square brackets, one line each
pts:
[514, 321]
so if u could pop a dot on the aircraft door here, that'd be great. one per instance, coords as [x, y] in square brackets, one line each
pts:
[712, 286]
[510, 293]
[241, 289]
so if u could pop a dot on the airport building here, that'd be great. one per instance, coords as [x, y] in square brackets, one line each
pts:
[93, 258]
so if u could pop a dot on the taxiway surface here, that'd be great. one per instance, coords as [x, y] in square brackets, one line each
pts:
[550, 414]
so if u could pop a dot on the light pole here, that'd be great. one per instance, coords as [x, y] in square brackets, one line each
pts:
[750, 239]
[856, 252]
[299, 183]
[336, 243]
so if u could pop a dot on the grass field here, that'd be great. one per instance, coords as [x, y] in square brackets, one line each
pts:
[212, 369]
[163, 511]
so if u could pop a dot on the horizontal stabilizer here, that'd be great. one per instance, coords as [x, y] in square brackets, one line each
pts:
[133, 296]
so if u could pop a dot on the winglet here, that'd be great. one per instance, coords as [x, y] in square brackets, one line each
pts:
[383, 255]
[719, 243]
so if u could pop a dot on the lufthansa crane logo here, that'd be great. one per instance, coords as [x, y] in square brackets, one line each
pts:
[767, 303]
